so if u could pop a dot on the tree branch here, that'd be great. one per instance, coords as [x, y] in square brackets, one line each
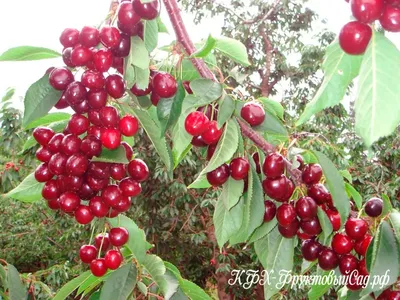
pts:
[265, 88]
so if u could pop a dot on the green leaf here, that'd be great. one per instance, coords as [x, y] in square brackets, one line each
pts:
[129, 68]
[71, 286]
[120, 283]
[90, 283]
[226, 108]
[272, 125]
[150, 34]
[39, 99]
[387, 205]
[207, 47]
[29, 190]
[335, 185]
[161, 26]
[326, 224]
[139, 53]
[339, 70]
[181, 140]
[346, 175]
[394, 219]
[192, 290]
[206, 89]
[95, 296]
[274, 107]
[352, 192]
[48, 119]
[377, 106]
[16, 288]
[23, 53]
[263, 230]
[233, 49]
[200, 183]
[9, 93]
[232, 190]
[385, 258]
[227, 222]
[156, 268]
[261, 249]
[137, 239]
[318, 290]
[142, 78]
[142, 288]
[112, 156]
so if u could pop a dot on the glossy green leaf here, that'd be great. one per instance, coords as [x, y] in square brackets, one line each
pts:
[129, 68]
[142, 288]
[352, 192]
[318, 290]
[112, 156]
[387, 205]
[71, 286]
[274, 107]
[139, 56]
[193, 291]
[156, 268]
[39, 99]
[29, 190]
[207, 89]
[16, 288]
[226, 108]
[24, 53]
[377, 106]
[207, 47]
[263, 230]
[394, 219]
[261, 249]
[142, 78]
[161, 26]
[326, 224]
[120, 283]
[232, 190]
[200, 183]
[272, 125]
[346, 175]
[339, 70]
[181, 139]
[48, 119]
[150, 34]
[233, 49]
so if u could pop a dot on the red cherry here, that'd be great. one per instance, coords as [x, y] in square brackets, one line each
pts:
[98, 208]
[70, 144]
[274, 165]
[218, 176]
[348, 263]
[109, 117]
[299, 158]
[83, 215]
[164, 85]
[311, 227]
[124, 204]
[154, 98]
[113, 259]
[138, 170]
[334, 217]
[212, 134]
[60, 78]
[117, 171]
[256, 159]
[43, 154]
[118, 236]
[128, 125]
[127, 14]
[394, 3]
[354, 37]
[289, 191]
[367, 11]
[275, 188]
[394, 295]
[50, 190]
[374, 207]
[289, 231]
[102, 241]
[96, 184]
[80, 55]
[318, 192]
[111, 138]
[139, 92]
[57, 164]
[110, 36]
[113, 213]
[361, 246]
[306, 208]
[342, 244]
[111, 195]
[85, 192]
[97, 99]
[270, 210]
[197, 141]
[89, 36]
[312, 174]
[102, 60]
[76, 164]
[128, 150]
[123, 48]
[54, 144]
[210, 150]
[42, 135]
[69, 37]
[93, 80]
[239, 168]
[328, 260]
[285, 214]
[132, 30]
[186, 85]
[69, 202]
[130, 187]
[390, 19]
[78, 124]
[62, 102]
[196, 123]
[73, 183]
[98, 267]
[356, 228]
[310, 249]
[53, 204]
[147, 11]
[253, 113]
[91, 145]
[115, 86]
[87, 253]
[362, 267]
[66, 56]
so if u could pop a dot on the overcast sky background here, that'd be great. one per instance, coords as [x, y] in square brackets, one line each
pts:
[40, 22]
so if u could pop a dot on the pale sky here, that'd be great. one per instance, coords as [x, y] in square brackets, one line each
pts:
[40, 22]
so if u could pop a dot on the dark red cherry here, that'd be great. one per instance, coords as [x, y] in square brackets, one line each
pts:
[98, 267]
[210, 150]
[113, 259]
[54, 144]
[117, 171]
[127, 14]
[50, 190]
[196, 123]
[274, 165]
[97, 99]
[132, 30]
[394, 295]
[289, 231]
[306, 208]
[70, 144]
[118, 64]
[394, 3]
[328, 260]
[43, 154]
[102, 241]
[86, 192]
[115, 86]
[128, 125]
[253, 113]
[362, 267]
[87, 253]
[89, 36]
[128, 150]
[99, 170]
[75, 93]
[354, 37]
[164, 85]
[239, 168]
[318, 192]
[256, 159]
[109, 36]
[270, 210]
[138, 170]
[275, 188]
[69, 201]
[310, 249]
[60, 78]
[42, 173]
[348, 263]
[93, 80]
[91, 146]
[139, 92]
[118, 236]
[94, 117]
[361, 246]
[356, 228]
[123, 48]
[111, 138]
[98, 208]
[334, 217]
[342, 244]
[367, 11]
[96, 184]
[69, 37]
[83, 215]
[57, 164]
[78, 124]
[62, 102]
[186, 85]
[111, 195]
[112, 213]
[154, 98]
[300, 160]
[390, 19]
[311, 227]
[219, 176]
[73, 183]
[80, 55]
[289, 191]
[76, 165]
[109, 117]
[102, 60]
[285, 214]
[212, 134]
[130, 187]
[124, 204]
[42, 135]
[81, 108]
[312, 174]
[66, 56]
[374, 207]
[147, 11]
[197, 141]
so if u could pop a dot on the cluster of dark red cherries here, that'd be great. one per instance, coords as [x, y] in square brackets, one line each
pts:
[355, 35]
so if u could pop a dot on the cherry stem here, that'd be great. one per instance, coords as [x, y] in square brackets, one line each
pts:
[183, 38]
[101, 244]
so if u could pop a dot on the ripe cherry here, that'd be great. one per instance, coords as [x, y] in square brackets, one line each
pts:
[73, 183]
[57, 164]
[96, 184]
[312, 174]
[123, 48]
[117, 171]
[310, 249]
[394, 295]
[311, 227]
[218, 176]
[306, 208]
[273, 166]
[328, 260]
[318, 192]
[130, 187]
[285, 214]
[367, 11]
[80, 55]
[197, 141]
[394, 3]
[127, 15]
[289, 191]
[348, 263]
[53, 204]
[89, 36]
[109, 36]
[390, 19]
[354, 37]
[99, 170]
[196, 123]
[69, 201]
[362, 267]
[256, 159]
[300, 160]
[111, 195]
[128, 125]
[118, 236]
[275, 188]
[102, 60]
[50, 190]
[132, 30]
[154, 98]
[289, 231]
[87, 253]
[115, 86]
[186, 85]
[98, 267]
[97, 99]
[83, 215]
[361, 246]
[164, 85]
[123, 205]
[138, 170]
[210, 150]
[42, 135]
[98, 208]
[93, 80]
[111, 138]
[76, 165]
[253, 113]
[109, 117]
[102, 241]
[356, 228]
[239, 168]
[270, 210]
[86, 192]
[66, 56]
[62, 102]
[113, 259]
[342, 244]
[147, 11]
[334, 217]
[91, 146]
[54, 144]
[70, 144]
[212, 134]
[60, 78]
[128, 150]
[75, 93]
[43, 154]
[374, 207]
[69, 37]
